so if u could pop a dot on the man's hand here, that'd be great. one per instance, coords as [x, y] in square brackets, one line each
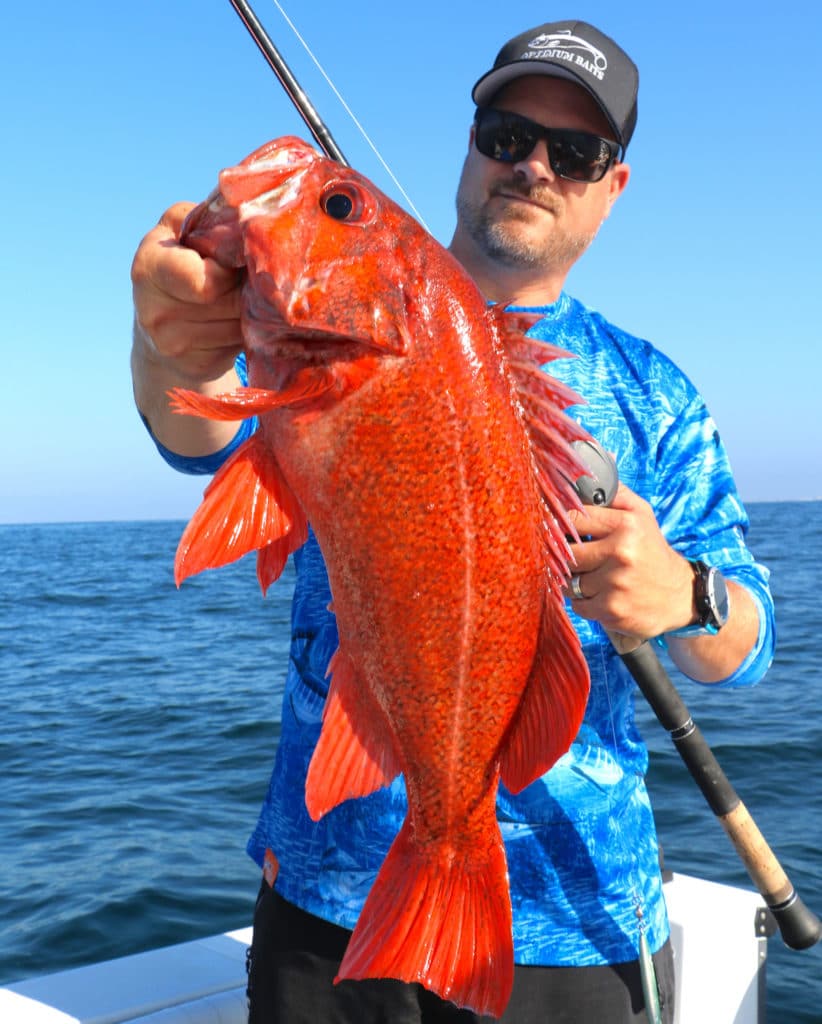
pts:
[634, 583]
[186, 334]
[633, 580]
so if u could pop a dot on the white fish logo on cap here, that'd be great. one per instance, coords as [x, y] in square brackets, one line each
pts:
[560, 45]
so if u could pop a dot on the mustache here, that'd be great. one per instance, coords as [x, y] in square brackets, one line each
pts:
[540, 194]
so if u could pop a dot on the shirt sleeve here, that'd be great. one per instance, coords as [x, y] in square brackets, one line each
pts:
[702, 517]
[209, 464]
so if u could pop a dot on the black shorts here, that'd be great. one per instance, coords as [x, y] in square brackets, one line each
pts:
[294, 958]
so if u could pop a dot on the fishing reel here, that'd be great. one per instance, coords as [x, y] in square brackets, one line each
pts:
[600, 487]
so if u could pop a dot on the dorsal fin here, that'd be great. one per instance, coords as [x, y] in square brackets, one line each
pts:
[543, 400]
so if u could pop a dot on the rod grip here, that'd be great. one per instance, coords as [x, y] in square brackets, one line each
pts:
[799, 927]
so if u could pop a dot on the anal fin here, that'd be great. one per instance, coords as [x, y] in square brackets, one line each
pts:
[352, 757]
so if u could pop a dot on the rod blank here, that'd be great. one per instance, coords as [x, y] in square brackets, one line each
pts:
[305, 107]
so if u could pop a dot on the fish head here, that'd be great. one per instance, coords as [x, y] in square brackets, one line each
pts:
[329, 257]
[215, 227]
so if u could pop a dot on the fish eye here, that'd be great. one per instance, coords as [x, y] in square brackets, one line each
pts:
[338, 205]
[343, 201]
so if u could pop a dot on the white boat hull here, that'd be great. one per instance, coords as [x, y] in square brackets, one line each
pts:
[718, 931]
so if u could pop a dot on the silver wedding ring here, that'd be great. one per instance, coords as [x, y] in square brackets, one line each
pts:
[576, 589]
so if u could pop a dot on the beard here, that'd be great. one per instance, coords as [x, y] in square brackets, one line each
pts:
[495, 231]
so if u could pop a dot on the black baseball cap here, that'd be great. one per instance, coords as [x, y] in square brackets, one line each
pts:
[579, 52]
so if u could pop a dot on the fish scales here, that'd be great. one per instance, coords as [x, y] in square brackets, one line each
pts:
[433, 472]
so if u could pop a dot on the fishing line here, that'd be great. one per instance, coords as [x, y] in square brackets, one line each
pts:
[351, 114]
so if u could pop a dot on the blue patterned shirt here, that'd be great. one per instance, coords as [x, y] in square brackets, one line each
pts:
[581, 842]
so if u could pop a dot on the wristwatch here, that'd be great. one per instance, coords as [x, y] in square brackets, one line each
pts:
[712, 600]
[710, 597]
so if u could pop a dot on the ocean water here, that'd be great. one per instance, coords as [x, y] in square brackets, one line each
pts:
[140, 722]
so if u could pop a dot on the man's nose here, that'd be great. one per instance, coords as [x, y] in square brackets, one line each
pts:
[537, 165]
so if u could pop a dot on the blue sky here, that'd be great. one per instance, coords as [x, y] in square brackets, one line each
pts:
[113, 111]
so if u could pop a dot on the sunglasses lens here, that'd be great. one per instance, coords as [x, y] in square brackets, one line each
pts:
[506, 137]
[577, 156]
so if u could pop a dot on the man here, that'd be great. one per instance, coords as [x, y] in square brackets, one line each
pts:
[544, 167]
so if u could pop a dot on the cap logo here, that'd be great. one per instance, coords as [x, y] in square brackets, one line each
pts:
[561, 45]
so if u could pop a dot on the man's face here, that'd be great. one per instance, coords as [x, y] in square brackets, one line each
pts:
[522, 214]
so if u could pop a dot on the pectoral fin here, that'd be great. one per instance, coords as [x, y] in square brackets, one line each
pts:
[248, 506]
[246, 402]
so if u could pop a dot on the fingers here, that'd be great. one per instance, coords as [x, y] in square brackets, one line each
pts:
[625, 574]
[187, 307]
[175, 215]
[600, 520]
[162, 265]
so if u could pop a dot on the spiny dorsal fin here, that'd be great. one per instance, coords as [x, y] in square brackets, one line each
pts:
[543, 400]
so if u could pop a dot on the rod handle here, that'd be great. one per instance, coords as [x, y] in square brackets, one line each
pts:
[799, 927]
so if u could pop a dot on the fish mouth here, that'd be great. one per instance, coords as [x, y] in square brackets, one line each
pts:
[279, 196]
[335, 358]
[310, 346]
[289, 316]
[282, 326]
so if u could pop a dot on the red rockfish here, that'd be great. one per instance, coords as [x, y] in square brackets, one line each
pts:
[411, 425]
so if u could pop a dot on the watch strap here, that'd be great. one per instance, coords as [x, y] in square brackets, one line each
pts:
[707, 623]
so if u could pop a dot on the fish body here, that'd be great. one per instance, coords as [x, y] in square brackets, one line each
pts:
[409, 423]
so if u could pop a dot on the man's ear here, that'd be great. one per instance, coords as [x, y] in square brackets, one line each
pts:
[620, 173]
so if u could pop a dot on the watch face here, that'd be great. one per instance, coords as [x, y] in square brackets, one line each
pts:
[718, 596]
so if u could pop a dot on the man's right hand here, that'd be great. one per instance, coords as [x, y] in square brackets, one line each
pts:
[186, 334]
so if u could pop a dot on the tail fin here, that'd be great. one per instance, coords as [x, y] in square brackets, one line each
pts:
[439, 916]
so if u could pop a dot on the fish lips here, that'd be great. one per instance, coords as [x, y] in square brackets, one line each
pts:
[213, 230]
[269, 179]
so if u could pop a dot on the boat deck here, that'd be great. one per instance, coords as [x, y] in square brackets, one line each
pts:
[715, 929]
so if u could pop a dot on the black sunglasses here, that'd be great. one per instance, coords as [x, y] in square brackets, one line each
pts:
[508, 137]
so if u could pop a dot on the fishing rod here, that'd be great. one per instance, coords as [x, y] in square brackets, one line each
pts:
[799, 927]
[305, 108]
